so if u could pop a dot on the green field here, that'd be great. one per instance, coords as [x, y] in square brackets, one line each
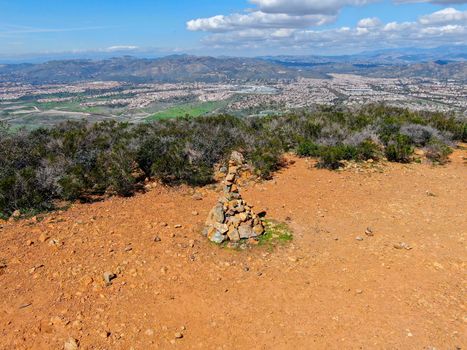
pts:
[191, 109]
[49, 113]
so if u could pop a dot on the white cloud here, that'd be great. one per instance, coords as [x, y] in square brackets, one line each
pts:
[288, 24]
[369, 22]
[446, 16]
[256, 19]
[121, 48]
[438, 2]
[303, 7]
[276, 14]
[369, 33]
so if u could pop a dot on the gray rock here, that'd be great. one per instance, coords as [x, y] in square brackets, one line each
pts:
[234, 221]
[240, 209]
[369, 232]
[230, 177]
[197, 196]
[109, 277]
[233, 235]
[222, 228]
[402, 245]
[246, 231]
[235, 196]
[71, 344]
[237, 158]
[216, 237]
[216, 215]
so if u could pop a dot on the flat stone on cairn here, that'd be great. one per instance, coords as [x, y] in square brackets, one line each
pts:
[232, 219]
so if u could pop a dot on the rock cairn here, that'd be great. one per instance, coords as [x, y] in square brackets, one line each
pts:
[232, 219]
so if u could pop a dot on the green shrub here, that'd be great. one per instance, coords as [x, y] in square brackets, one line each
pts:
[438, 152]
[21, 190]
[265, 161]
[463, 133]
[332, 156]
[76, 160]
[399, 149]
[368, 150]
[308, 149]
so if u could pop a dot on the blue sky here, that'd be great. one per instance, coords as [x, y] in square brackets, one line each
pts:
[235, 27]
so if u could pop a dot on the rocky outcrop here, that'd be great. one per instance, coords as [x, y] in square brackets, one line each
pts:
[232, 219]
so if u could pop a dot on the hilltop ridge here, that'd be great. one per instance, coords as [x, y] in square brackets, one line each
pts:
[326, 289]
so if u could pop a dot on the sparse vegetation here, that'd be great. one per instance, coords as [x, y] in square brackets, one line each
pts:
[74, 161]
[399, 149]
[276, 233]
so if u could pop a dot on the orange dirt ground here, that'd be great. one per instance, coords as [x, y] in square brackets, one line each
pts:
[326, 290]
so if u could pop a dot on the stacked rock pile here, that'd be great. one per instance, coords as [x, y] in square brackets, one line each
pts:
[232, 219]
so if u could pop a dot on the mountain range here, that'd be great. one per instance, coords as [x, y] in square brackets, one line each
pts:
[441, 63]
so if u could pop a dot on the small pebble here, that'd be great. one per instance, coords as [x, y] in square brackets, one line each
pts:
[369, 232]
[402, 245]
[71, 344]
[108, 277]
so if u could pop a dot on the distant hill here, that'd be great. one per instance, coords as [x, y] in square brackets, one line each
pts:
[167, 69]
[387, 56]
[447, 62]
[441, 70]
[185, 68]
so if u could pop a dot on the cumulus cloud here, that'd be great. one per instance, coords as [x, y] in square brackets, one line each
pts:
[368, 34]
[369, 22]
[256, 19]
[276, 14]
[293, 24]
[446, 16]
[302, 7]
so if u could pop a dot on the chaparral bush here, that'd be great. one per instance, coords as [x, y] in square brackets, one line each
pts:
[76, 160]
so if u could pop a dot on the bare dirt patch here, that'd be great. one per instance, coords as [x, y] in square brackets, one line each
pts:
[326, 289]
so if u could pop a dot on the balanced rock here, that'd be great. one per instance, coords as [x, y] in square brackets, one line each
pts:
[232, 219]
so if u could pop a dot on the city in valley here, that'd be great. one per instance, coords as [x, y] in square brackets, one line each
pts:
[33, 106]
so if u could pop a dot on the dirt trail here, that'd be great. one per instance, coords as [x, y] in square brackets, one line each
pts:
[326, 290]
